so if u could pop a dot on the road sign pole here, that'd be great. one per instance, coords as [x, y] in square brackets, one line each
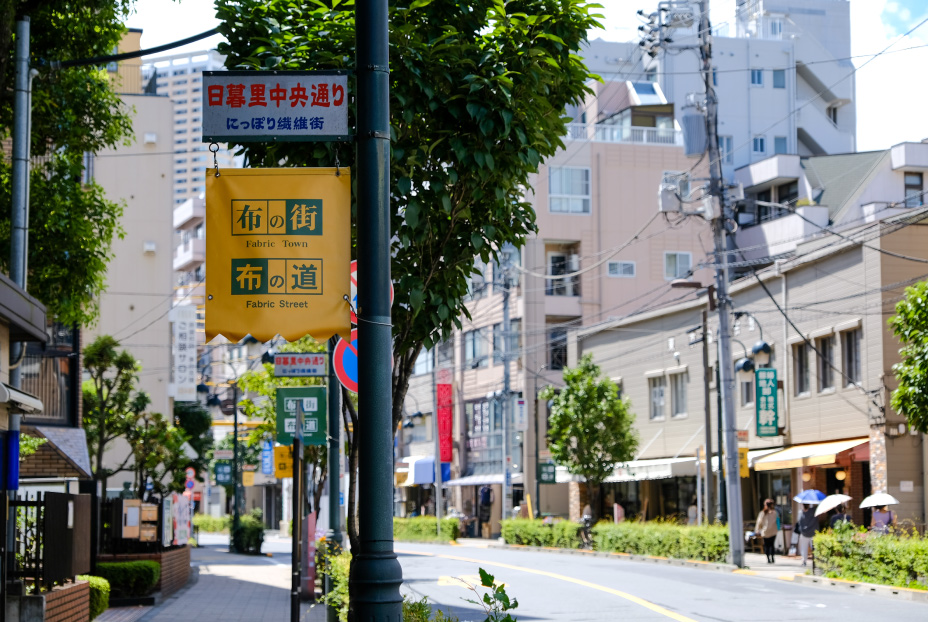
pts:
[376, 574]
[334, 535]
[297, 522]
[236, 518]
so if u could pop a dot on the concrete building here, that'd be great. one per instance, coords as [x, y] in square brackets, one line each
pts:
[843, 262]
[782, 75]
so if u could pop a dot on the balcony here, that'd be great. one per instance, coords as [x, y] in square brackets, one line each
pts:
[782, 235]
[598, 133]
[562, 306]
[910, 156]
[772, 171]
[189, 255]
[190, 211]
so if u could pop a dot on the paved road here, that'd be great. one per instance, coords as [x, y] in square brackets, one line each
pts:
[552, 586]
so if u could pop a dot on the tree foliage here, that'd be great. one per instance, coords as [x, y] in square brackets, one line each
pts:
[74, 111]
[590, 428]
[158, 453]
[910, 325]
[196, 422]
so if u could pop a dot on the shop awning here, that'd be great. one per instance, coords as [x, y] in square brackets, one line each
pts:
[753, 456]
[483, 479]
[420, 470]
[660, 468]
[813, 454]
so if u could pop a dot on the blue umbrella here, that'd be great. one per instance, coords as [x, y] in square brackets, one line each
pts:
[811, 496]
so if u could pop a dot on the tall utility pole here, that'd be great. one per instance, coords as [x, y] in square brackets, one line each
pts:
[437, 444]
[707, 454]
[719, 236]
[297, 522]
[236, 492]
[334, 534]
[507, 398]
[376, 574]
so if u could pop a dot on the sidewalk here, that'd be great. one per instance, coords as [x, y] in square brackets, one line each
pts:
[785, 568]
[229, 588]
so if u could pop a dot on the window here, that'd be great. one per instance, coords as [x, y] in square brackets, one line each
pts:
[759, 144]
[747, 393]
[569, 190]
[557, 349]
[779, 144]
[622, 268]
[178, 171]
[559, 264]
[424, 362]
[826, 362]
[914, 195]
[788, 192]
[832, 113]
[87, 175]
[199, 232]
[475, 353]
[757, 77]
[476, 282]
[801, 366]
[779, 78]
[650, 74]
[850, 343]
[715, 77]
[678, 395]
[726, 149]
[776, 28]
[657, 386]
[180, 160]
[677, 265]
[498, 344]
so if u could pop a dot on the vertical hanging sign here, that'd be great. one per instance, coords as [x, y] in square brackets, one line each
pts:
[185, 353]
[278, 250]
[766, 401]
[443, 396]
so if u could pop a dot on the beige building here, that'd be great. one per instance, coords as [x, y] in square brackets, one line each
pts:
[830, 345]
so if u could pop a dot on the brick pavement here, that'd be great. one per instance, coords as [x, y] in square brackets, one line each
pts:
[234, 588]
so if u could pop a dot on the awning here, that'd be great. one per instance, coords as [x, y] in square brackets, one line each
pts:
[482, 479]
[19, 401]
[420, 470]
[753, 456]
[660, 468]
[812, 454]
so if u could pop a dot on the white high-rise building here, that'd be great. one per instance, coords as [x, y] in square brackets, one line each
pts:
[781, 72]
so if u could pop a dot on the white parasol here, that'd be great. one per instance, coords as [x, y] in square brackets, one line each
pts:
[830, 502]
[879, 500]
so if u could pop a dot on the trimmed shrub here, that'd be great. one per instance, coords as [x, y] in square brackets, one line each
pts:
[99, 594]
[655, 538]
[853, 554]
[212, 524]
[130, 579]
[249, 536]
[337, 567]
[422, 529]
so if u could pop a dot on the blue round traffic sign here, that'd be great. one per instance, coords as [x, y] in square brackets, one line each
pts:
[346, 362]
[190, 484]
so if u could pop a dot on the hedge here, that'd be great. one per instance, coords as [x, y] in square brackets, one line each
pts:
[212, 524]
[337, 567]
[660, 539]
[249, 536]
[99, 594]
[563, 534]
[857, 555]
[130, 579]
[422, 529]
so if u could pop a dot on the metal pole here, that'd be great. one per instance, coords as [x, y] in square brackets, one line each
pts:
[334, 534]
[376, 574]
[721, 515]
[507, 483]
[709, 505]
[699, 455]
[437, 463]
[19, 239]
[296, 540]
[236, 518]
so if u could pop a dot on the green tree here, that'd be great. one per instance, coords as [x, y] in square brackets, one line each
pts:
[111, 402]
[590, 428]
[195, 421]
[261, 386]
[478, 92]
[74, 111]
[159, 453]
[910, 325]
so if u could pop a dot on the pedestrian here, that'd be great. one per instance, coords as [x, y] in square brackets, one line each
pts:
[841, 517]
[767, 527]
[485, 500]
[808, 524]
[882, 519]
[692, 513]
[618, 510]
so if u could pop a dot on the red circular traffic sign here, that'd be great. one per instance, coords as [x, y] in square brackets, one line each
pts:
[354, 295]
[346, 361]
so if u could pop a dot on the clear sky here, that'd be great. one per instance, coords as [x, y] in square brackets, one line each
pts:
[891, 89]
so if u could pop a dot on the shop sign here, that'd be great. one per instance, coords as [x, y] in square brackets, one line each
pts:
[310, 401]
[765, 398]
[223, 472]
[547, 473]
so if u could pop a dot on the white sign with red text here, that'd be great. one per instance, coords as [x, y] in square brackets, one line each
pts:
[300, 365]
[248, 106]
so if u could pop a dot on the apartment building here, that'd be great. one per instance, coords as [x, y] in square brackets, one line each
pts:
[836, 430]
[781, 73]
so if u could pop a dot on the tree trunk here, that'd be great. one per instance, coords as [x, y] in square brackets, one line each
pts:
[592, 495]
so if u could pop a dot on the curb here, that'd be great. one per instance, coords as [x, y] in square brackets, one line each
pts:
[842, 585]
[684, 563]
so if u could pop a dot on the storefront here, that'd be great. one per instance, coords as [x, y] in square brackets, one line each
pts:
[476, 490]
[414, 480]
[649, 489]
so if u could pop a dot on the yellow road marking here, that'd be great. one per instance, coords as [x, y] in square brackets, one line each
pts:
[630, 597]
[464, 581]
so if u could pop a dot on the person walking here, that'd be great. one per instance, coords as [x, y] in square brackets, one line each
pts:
[767, 527]
[882, 519]
[841, 516]
[808, 525]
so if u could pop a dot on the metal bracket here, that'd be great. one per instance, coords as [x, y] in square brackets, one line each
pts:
[379, 134]
[383, 68]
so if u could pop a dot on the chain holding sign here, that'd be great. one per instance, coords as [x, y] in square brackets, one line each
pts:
[278, 247]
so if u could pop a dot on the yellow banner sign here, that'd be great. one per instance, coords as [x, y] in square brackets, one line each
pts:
[278, 248]
[248, 478]
[283, 461]
[743, 462]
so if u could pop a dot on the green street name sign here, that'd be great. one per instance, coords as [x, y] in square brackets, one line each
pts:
[311, 401]
[223, 471]
[546, 473]
[765, 400]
